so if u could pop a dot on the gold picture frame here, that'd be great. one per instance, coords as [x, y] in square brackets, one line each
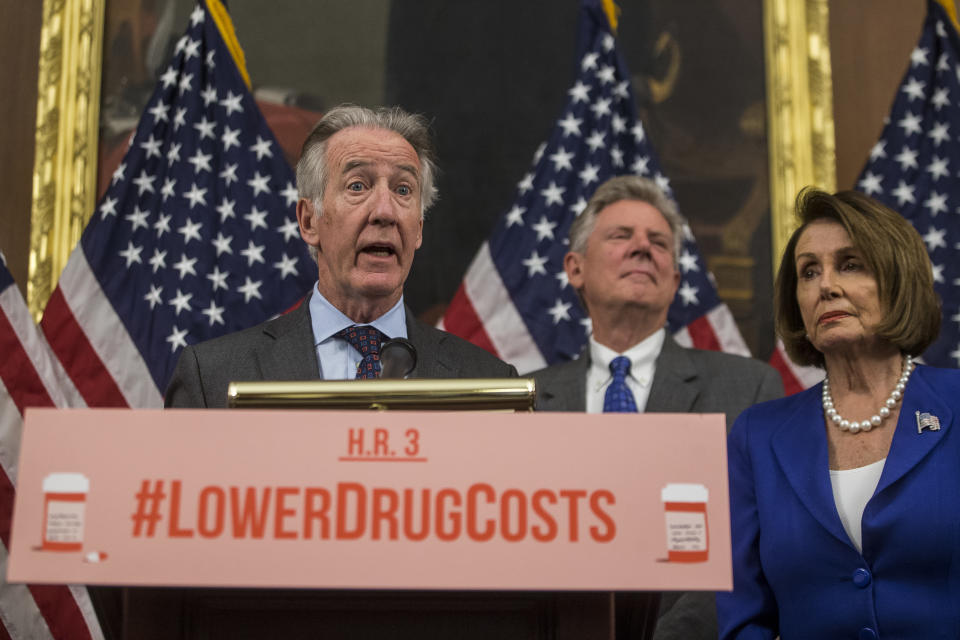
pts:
[67, 130]
[799, 109]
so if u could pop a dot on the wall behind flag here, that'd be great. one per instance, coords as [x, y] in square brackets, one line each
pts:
[866, 96]
[416, 52]
[19, 48]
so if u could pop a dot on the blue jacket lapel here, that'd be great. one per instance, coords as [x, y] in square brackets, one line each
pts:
[909, 447]
[800, 447]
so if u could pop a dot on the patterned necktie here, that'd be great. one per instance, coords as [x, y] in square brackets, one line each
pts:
[366, 340]
[619, 398]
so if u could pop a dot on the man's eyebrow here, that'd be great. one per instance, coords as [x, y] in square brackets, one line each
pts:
[350, 165]
[411, 169]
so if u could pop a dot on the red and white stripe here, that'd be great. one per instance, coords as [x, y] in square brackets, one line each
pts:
[795, 377]
[88, 337]
[716, 330]
[483, 313]
[30, 376]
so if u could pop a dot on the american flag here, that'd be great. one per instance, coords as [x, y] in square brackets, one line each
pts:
[195, 236]
[915, 166]
[30, 376]
[515, 300]
[795, 377]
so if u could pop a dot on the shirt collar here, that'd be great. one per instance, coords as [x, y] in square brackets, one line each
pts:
[327, 320]
[643, 356]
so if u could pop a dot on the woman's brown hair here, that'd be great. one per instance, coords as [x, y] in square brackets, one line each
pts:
[896, 256]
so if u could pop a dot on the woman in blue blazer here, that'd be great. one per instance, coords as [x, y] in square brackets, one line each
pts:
[845, 498]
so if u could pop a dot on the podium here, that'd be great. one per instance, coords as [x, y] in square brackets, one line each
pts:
[397, 524]
[240, 614]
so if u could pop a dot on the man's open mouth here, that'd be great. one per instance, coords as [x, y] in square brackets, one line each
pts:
[379, 250]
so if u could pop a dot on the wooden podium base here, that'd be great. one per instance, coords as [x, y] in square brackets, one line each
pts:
[241, 614]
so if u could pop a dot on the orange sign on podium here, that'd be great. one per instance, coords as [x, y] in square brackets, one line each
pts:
[359, 499]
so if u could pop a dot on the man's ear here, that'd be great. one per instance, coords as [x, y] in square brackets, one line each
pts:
[573, 265]
[309, 222]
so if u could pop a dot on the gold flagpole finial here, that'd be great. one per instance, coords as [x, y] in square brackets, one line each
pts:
[613, 14]
[225, 25]
[951, 8]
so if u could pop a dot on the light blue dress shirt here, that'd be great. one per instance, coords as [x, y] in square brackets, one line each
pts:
[338, 359]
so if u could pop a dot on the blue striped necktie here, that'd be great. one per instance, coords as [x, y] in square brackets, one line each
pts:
[619, 398]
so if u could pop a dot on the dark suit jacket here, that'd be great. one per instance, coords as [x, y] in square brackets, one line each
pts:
[795, 570]
[685, 381]
[283, 349]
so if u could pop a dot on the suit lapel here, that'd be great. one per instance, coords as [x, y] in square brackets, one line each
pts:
[431, 361]
[563, 387]
[800, 447]
[909, 447]
[291, 355]
[676, 383]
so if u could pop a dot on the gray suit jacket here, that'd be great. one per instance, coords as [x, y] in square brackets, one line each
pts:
[685, 381]
[283, 349]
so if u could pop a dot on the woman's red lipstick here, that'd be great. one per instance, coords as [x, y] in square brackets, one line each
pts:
[830, 316]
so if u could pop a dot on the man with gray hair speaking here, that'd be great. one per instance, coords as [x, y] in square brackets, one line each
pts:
[365, 181]
[624, 251]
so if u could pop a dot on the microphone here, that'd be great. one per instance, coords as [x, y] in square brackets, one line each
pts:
[398, 357]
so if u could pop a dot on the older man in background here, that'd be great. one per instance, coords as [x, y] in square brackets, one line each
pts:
[623, 258]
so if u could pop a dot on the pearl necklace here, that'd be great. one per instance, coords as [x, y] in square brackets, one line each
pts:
[852, 425]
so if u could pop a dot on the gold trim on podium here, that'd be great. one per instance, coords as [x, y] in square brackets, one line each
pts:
[467, 394]
[65, 160]
[799, 108]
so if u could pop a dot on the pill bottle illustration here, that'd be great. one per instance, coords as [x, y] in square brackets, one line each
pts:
[685, 508]
[64, 510]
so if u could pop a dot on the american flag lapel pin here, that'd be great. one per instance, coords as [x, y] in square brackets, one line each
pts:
[927, 421]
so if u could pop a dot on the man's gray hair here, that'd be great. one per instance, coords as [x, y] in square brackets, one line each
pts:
[627, 188]
[312, 168]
